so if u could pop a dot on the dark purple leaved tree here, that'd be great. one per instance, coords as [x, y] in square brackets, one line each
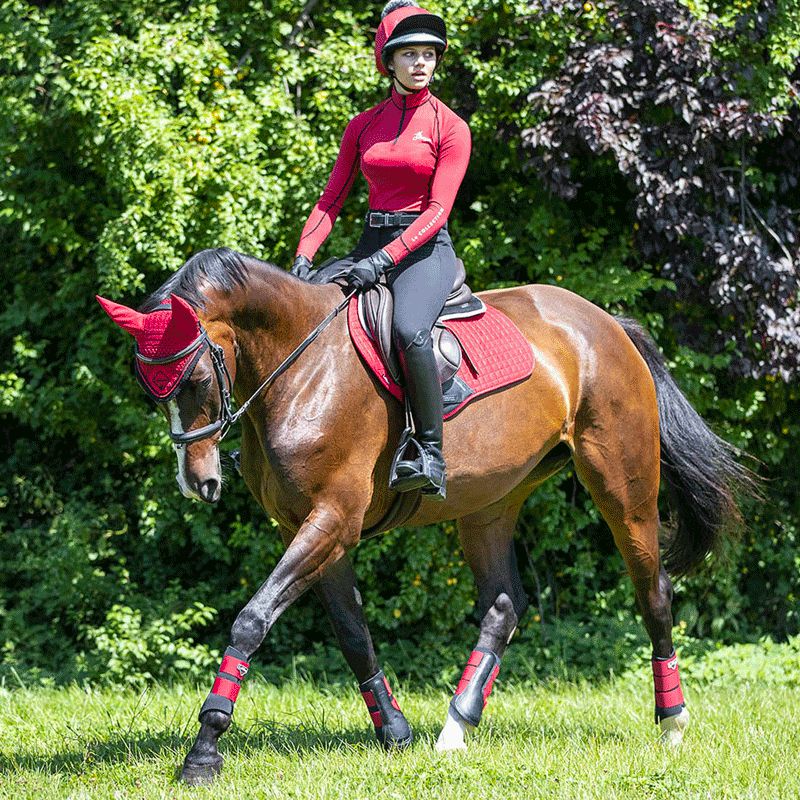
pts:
[713, 178]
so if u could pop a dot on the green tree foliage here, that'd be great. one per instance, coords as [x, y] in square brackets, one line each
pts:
[135, 133]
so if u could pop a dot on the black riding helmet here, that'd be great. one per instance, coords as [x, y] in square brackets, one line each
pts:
[403, 22]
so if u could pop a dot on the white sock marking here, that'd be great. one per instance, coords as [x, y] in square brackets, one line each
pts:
[452, 735]
[672, 729]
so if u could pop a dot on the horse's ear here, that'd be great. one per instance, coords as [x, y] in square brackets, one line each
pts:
[182, 326]
[127, 319]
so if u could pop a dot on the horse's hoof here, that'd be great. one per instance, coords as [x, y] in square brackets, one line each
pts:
[452, 737]
[391, 745]
[398, 739]
[449, 747]
[200, 774]
[672, 729]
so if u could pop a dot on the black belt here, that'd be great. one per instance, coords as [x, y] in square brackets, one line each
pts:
[381, 219]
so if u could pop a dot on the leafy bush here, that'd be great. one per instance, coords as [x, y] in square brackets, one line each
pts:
[661, 94]
[126, 650]
[135, 133]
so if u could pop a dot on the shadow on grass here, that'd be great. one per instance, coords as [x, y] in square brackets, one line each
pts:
[281, 739]
[570, 652]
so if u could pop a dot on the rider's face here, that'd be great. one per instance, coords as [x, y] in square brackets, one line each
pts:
[413, 66]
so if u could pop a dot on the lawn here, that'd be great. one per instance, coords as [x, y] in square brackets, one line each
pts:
[553, 740]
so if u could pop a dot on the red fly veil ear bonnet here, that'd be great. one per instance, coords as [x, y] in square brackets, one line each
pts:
[404, 22]
[169, 342]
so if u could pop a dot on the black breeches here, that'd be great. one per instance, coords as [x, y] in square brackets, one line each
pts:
[420, 283]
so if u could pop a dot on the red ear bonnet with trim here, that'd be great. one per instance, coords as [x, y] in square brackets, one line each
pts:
[127, 319]
[183, 326]
[159, 334]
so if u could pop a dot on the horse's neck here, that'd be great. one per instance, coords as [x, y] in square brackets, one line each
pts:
[270, 316]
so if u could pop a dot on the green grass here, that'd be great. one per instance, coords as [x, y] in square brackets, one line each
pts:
[551, 741]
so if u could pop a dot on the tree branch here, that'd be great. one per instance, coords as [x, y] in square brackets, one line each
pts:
[742, 184]
[770, 231]
[304, 17]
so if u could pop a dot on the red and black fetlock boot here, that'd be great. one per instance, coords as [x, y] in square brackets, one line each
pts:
[671, 713]
[391, 727]
[475, 686]
[203, 762]
[667, 681]
[227, 684]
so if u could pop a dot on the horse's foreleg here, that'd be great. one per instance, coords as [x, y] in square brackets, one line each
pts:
[323, 539]
[340, 597]
[487, 539]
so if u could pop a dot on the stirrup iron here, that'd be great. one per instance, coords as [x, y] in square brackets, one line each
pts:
[409, 450]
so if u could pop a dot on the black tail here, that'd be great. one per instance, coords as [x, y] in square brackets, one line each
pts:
[702, 472]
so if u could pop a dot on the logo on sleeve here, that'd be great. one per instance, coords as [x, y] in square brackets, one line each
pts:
[420, 137]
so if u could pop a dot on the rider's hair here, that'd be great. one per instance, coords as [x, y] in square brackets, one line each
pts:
[393, 5]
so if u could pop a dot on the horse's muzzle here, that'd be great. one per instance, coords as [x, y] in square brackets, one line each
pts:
[209, 490]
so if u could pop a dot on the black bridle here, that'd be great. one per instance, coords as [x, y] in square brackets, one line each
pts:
[224, 383]
[227, 416]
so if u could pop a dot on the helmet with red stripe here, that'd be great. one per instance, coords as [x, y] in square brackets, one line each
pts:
[403, 22]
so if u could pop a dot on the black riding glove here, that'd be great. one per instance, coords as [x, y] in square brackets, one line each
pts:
[301, 268]
[367, 272]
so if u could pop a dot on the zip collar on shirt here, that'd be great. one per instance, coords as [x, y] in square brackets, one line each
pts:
[406, 101]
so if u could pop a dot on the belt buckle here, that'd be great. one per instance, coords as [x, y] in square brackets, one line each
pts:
[377, 219]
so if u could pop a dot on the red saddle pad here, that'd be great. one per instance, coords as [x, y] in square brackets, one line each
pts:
[494, 354]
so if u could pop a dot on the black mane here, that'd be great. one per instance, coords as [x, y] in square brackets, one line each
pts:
[221, 267]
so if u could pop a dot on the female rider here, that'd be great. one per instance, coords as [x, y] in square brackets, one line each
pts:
[413, 151]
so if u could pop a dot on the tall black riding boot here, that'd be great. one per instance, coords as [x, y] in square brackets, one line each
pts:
[426, 471]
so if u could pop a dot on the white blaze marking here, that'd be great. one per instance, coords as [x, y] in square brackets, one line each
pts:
[180, 450]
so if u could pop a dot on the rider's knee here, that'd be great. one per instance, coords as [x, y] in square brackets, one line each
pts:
[408, 336]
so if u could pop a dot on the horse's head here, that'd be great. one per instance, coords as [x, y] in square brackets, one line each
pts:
[186, 373]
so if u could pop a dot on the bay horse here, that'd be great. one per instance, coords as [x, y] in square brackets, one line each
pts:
[317, 446]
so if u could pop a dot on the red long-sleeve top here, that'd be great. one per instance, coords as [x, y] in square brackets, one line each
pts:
[413, 151]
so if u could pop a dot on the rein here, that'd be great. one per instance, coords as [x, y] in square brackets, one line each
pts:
[227, 416]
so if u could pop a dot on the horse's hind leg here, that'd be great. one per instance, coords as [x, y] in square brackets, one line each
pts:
[487, 541]
[340, 597]
[618, 462]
